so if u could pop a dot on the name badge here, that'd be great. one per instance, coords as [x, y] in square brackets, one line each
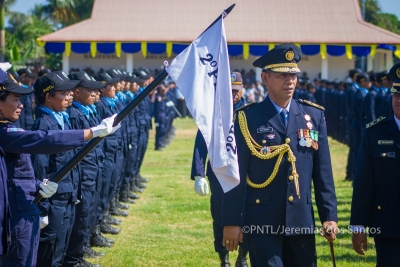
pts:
[265, 130]
[385, 142]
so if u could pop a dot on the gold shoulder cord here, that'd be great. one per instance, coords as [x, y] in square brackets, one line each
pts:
[274, 151]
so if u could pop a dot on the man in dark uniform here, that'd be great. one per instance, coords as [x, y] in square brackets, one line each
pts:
[351, 89]
[370, 99]
[160, 117]
[282, 148]
[27, 115]
[376, 184]
[79, 116]
[201, 187]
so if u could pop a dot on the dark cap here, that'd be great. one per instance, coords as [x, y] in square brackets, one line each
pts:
[282, 58]
[396, 86]
[106, 78]
[115, 74]
[86, 81]
[53, 82]
[236, 81]
[363, 77]
[62, 74]
[9, 84]
[394, 72]
[44, 72]
[383, 75]
[355, 72]
[373, 77]
[15, 75]
[26, 73]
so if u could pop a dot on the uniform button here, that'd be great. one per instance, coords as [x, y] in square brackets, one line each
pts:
[383, 154]
[290, 198]
[263, 141]
[291, 178]
[287, 140]
[379, 207]
[257, 201]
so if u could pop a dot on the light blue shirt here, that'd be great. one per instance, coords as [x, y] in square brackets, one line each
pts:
[279, 109]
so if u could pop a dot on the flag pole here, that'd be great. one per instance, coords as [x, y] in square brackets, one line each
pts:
[67, 167]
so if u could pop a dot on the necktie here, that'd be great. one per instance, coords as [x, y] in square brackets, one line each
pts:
[283, 116]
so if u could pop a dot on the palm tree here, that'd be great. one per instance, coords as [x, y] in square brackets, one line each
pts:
[67, 12]
[4, 8]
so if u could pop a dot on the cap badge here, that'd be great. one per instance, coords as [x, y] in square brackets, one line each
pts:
[289, 55]
[233, 77]
[87, 77]
[398, 73]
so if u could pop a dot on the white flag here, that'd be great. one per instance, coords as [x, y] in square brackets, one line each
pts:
[202, 74]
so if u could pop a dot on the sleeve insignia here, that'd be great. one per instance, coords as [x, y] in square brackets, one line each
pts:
[14, 130]
[372, 123]
[311, 104]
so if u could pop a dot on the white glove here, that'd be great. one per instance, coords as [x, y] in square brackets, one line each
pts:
[48, 188]
[170, 104]
[5, 66]
[44, 221]
[201, 186]
[105, 127]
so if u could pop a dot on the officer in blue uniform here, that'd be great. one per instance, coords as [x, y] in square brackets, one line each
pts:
[86, 210]
[201, 187]
[160, 117]
[27, 114]
[380, 103]
[351, 89]
[376, 201]
[282, 148]
[23, 239]
[370, 99]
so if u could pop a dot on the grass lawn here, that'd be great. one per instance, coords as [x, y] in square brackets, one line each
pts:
[170, 225]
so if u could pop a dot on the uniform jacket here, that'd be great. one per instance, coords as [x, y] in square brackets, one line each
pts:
[271, 205]
[88, 167]
[110, 144]
[45, 165]
[376, 200]
[22, 186]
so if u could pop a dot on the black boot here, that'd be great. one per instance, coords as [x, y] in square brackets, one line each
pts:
[224, 258]
[142, 179]
[131, 195]
[96, 239]
[133, 187]
[120, 205]
[108, 229]
[139, 184]
[90, 253]
[115, 211]
[241, 258]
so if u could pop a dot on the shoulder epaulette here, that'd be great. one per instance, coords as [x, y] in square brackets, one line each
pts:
[311, 104]
[4, 122]
[375, 122]
[246, 106]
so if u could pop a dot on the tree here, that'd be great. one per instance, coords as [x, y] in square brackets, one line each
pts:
[67, 12]
[374, 15]
[4, 8]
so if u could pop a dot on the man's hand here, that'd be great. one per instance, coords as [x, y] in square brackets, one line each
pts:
[201, 186]
[48, 188]
[359, 240]
[329, 230]
[233, 235]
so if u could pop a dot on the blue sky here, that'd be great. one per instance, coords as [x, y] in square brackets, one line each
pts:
[387, 6]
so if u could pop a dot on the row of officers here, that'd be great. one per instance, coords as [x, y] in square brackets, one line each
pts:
[350, 106]
[43, 123]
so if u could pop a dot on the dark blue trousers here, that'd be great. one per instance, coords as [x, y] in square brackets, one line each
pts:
[106, 175]
[24, 241]
[54, 238]
[282, 251]
[216, 213]
[116, 174]
[387, 252]
[85, 213]
[142, 147]
[161, 131]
